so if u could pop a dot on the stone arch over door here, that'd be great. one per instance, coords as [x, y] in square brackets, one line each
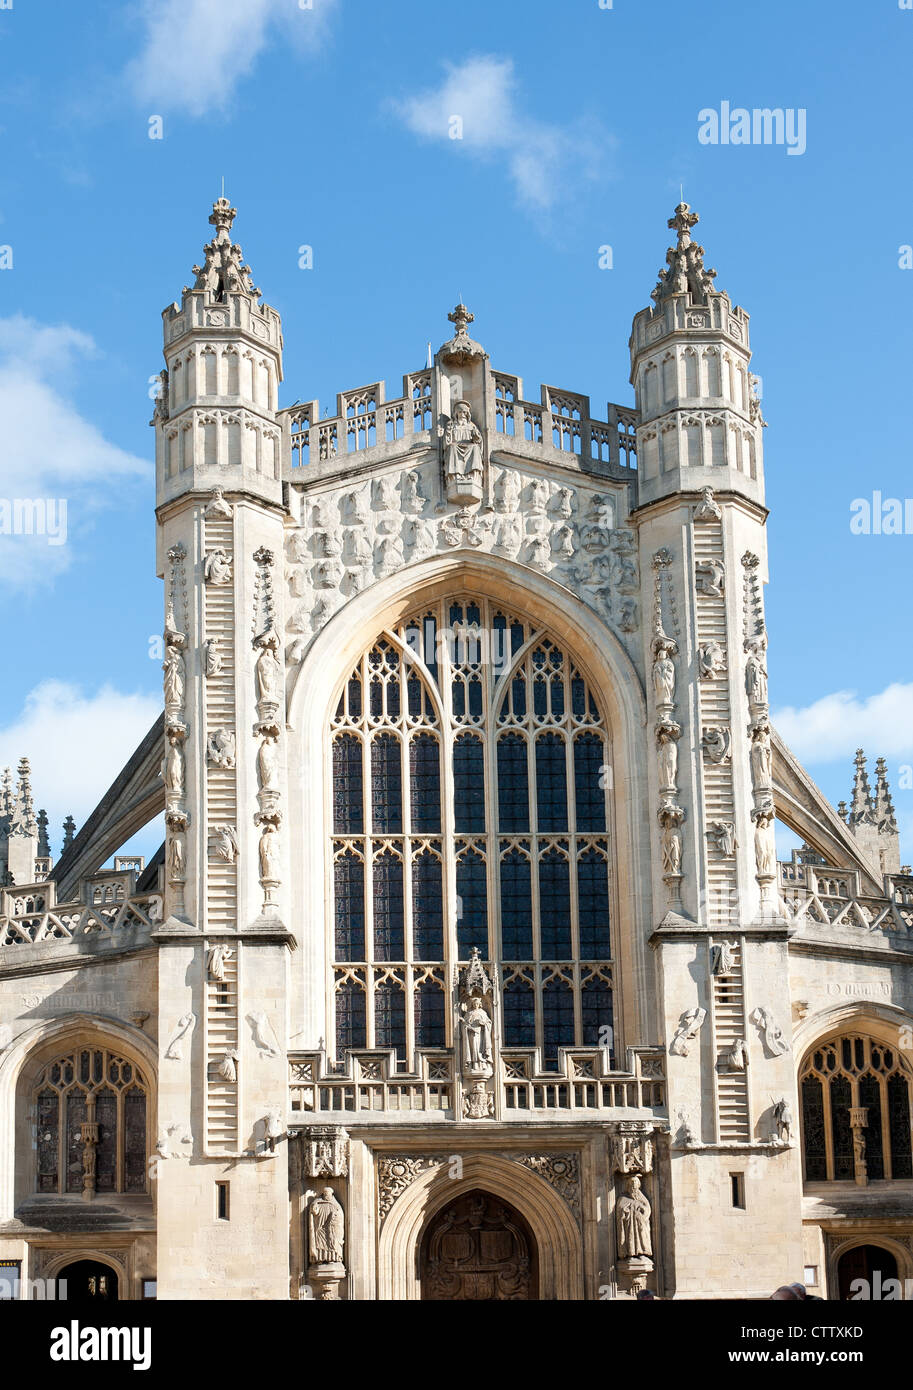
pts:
[551, 1224]
[897, 1250]
[478, 1248]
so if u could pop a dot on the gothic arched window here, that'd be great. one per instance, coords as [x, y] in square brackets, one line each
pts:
[90, 1112]
[470, 811]
[855, 1099]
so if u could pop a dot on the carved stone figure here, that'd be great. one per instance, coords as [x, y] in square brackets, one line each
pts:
[226, 1065]
[355, 508]
[722, 833]
[174, 669]
[722, 959]
[563, 504]
[664, 674]
[667, 734]
[756, 672]
[764, 844]
[737, 1056]
[215, 961]
[707, 509]
[270, 859]
[221, 748]
[174, 1051]
[268, 764]
[420, 538]
[783, 1121]
[263, 1033]
[478, 1102]
[272, 1129]
[689, 1026]
[507, 492]
[774, 1040]
[563, 542]
[326, 1229]
[711, 659]
[176, 856]
[463, 445]
[217, 567]
[628, 618]
[509, 536]
[717, 744]
[212, 657]
[388, 555]
[632, 1212]
[268, 670]
[413, 501]
[217, 506]
[226, 843]
[173, 768]
[760, 758]
[710, 576]
[476, 1032]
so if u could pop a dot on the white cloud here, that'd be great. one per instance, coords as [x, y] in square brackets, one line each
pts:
[836, 725]
[196, 51]
[545, 161]
[51, 453]
[76, 743]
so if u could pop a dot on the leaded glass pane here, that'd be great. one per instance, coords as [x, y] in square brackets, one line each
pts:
[469, 784]
[389, 908]
[348, 785]
[106, 1148]
[557, 1019]
[134, 1140]
[593, 905]
[48, 1139]
[425, 784]
[76, 1116]
[349, 875]
[427, 907]
[899, 1127]
[516, 906]
[386, 785]
[472, 914]
[589, 787]
[513, 784]
[429, 1015]
[519, 1014]
[351, 1026]
[813, 1130]
[870, 1096]
[555, 905]
[551, 783]
[597, 1015]
[390, 1018]
[840, 1123]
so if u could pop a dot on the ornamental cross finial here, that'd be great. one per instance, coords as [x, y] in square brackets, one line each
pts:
[682, 222]
[461, 317]
[223, 214]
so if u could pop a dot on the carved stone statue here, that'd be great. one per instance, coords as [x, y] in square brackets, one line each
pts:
[174, 1051]
[707, 509]
[176, 856]
[711, 659]
[764, 844]
[268, 765]
[689, 1026]
[226, 1066]
[326, 1229]
[212, 658]
[173, 768]
[217, 567]
[783, 1120]
[215, 961]
[664, 677]
[221, 748]
[760, 758]
[737, 1056]
[710, 577]
[269, 854]
[667, 735]
[632, 1213]
[272, 1129]
[174, 681]
[463, 446]
[722, 833]
[756, 672]
[476, 1031]
[226, 843]
[268, 670]
[507, 492]
[722, 959]
[717, 744]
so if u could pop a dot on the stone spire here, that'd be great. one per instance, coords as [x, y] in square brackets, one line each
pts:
[6, 797]
[884, 806]
[685, 272]
[69, 830]
[222, 272]
[24, 810]
[861, 806]
[44, 844]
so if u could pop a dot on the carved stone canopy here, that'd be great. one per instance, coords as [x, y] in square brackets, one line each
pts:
[685, 272]
[325, 1151]
[460, 348]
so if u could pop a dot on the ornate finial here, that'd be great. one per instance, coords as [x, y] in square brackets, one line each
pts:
[223, 214]
[44, 844]
[685, 272]
[461, 346]
[861, 808]
[884, 805]
[69, 830]
[24, 810]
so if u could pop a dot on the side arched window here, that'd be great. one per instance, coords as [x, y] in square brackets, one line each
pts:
[90, 1119]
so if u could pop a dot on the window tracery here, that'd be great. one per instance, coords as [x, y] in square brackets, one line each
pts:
[91, 1086]
[855, 1099]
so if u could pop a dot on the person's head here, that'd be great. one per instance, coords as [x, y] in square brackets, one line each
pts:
[785, 1293]
[645, 1295]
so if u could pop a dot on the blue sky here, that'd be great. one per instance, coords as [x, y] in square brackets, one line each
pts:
[329, 126]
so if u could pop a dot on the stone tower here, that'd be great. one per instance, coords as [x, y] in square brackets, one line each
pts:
[224, 944]
[871, 816]
[721, 946]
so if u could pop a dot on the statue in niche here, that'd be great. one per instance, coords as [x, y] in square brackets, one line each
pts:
[268, 765]
[215, 961]
[269, 854]
[507, 492]
[664, 671]
[476, 1031]
[173, 768]
[667, 734]
[217, 506]
[326, 1229]
[176, 857]
[764, 845]
[783, 1121]
[227, 1065]
[760, 757]
[174, 670]
[268, 670]
[217, 567]
[632, 1213]
[463, 446]
[756, 672]
[737, 1056]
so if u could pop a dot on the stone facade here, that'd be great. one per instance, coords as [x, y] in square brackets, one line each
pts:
[467, 968]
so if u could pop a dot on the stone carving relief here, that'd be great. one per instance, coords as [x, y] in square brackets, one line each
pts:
[689, 1026]
[217, 508]
[707, 509]
[722, 959]
[770, 1031]
[560, 1170]
[631, 1147]
[632, 1214]
[326, 1229]
[217, 567]
[325, 1151]
[220, 746]
[212, 657]
[711, 660]
[262, 1033]
[463, 455]
[710, 577]
[215, 961]
[174, 1051]
[782, 1122]
[721, 834]
[225, 843]
[226, 1065]
[716, 742]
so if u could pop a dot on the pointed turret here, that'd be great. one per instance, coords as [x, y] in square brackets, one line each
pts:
[216, 416]
[872, 818]
[699, 407]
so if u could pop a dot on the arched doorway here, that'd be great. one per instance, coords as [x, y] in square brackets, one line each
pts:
[478, 1248]
[90, 1281]
[870, 1263]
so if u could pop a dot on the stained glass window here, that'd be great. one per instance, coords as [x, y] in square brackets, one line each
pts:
[855, 1112]
[101, 1089]
[514, 861]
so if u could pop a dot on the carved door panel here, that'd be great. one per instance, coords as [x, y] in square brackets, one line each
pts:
[478, 1249]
